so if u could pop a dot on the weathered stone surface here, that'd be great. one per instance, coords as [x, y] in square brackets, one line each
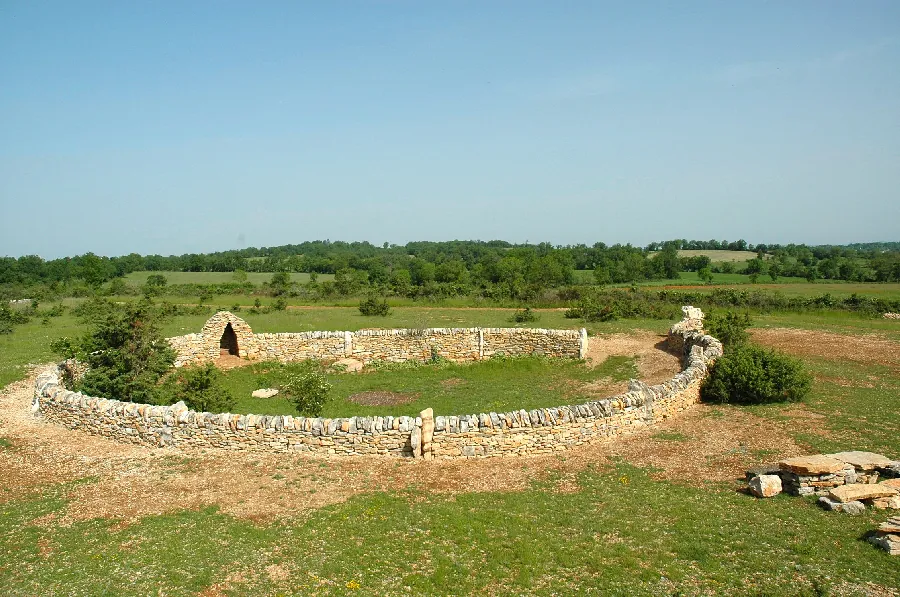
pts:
[888, 503]
[765, 486]
[264, 393]
[892, 483]
[415, 441]
[858, 491]
[862, 461]
[846, 508]
[889, 543]
[891, 525]
[815, 464]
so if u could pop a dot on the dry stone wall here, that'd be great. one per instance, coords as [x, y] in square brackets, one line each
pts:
[456, 344]
[428, 436]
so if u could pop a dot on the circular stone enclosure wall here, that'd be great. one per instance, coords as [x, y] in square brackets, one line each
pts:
[427, 435]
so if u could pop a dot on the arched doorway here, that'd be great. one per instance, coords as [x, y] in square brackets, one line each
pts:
[229, 343]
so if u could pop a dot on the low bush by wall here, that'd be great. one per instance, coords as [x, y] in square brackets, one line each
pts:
[429, 436]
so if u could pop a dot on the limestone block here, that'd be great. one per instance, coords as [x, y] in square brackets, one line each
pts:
[765, 486]
[862, 461]
[836, 506]
[816, 464]
[858, 491]
[264, 393]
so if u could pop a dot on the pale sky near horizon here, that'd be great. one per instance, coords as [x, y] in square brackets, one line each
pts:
[174, 127]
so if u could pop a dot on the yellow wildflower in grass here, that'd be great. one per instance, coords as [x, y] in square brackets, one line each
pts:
[624, 480]
[352, 584]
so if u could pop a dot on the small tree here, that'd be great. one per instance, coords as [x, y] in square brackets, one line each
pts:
[124, 350]
[525, 315]
[705, 274]
[729, 328]
[280, 283]
[373, 306]
[307, 389]
[201, 388]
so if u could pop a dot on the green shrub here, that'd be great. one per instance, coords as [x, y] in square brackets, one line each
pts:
[307, 389]
[201, 388]
[280, 304]
[373, 306]
[124, 350]
[525, 315]
[729, 328]
[752, 375]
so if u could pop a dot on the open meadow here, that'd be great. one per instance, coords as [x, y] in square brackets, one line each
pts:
[658, 512]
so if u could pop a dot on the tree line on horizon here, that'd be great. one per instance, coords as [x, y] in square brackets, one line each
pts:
[450, 268]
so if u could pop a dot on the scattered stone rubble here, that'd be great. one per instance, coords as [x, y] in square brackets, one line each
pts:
[844, 482]
[892, 315]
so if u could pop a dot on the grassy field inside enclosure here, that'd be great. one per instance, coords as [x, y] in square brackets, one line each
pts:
[658, 513]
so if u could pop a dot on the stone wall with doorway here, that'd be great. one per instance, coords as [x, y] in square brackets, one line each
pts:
[455, 344]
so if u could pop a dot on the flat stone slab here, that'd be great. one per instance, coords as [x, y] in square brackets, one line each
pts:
[864, 461]
[892, 483]
[889, 543]
[264, 393]
[891, 525]
[817, 464]
[848, 508]
[858, 491]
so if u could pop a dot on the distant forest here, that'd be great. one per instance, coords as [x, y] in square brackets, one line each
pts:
[494, 269]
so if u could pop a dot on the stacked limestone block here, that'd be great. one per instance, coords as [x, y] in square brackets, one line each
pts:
[290, 347]
[691, 323]
[887, 536]
[455, 344]
[546, 430]
[814, 475]
[844, 482]
[398, 346]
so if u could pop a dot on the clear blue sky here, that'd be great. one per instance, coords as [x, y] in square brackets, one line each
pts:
[171, 127]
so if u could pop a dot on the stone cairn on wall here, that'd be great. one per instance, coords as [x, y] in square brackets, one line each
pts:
[844, 482]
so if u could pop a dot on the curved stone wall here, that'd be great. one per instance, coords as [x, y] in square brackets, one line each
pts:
[429, 436]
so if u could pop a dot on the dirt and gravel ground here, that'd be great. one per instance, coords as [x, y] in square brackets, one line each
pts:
[705, 444]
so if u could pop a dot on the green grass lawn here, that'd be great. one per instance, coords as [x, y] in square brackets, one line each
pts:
[614, 530]
[619, 533]
[449, 388]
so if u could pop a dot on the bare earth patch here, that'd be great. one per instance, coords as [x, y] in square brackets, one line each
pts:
[380, 398]
[655, 364]
[864, 349]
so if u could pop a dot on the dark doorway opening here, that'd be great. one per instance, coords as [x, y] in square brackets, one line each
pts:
[228, 344]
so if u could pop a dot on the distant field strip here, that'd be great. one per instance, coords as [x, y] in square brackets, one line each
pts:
[139, 278]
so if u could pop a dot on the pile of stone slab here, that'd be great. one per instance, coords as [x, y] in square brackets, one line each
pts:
[820, 474]
[844, 482]
[887, 536]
